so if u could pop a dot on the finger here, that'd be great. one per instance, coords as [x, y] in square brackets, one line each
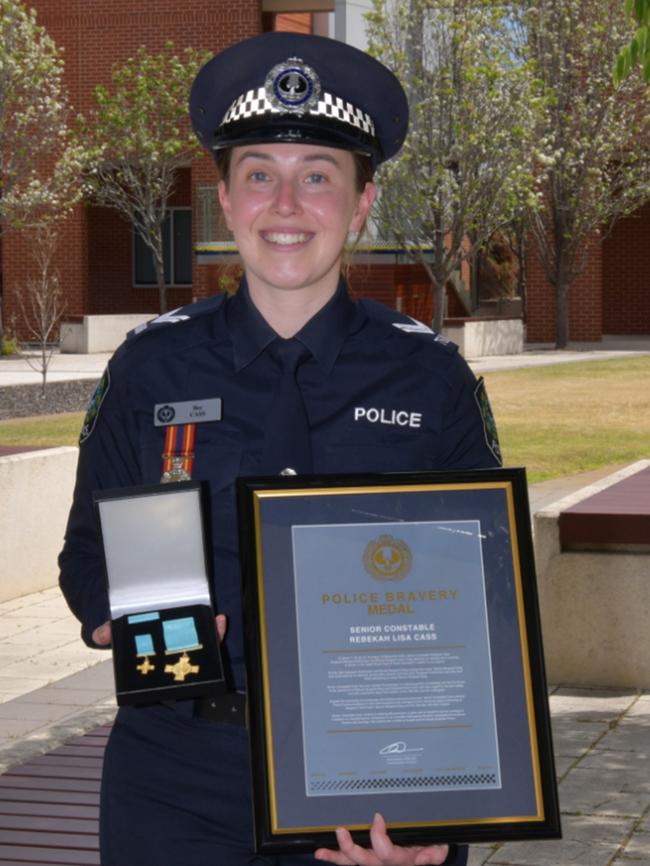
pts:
[332, 857]
[354, 853]
[222, 624]
[338, 857]
[383, 847]
[432, 856]
[102, 634]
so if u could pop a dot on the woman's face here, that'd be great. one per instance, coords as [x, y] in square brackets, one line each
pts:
[290, 208]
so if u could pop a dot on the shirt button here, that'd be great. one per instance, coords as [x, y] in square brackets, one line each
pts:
[288, 471]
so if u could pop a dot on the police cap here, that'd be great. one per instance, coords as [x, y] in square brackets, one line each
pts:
[291, 87]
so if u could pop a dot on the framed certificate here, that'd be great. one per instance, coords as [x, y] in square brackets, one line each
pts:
[394, 659]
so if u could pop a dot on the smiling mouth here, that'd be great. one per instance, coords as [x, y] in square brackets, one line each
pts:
[286, 239]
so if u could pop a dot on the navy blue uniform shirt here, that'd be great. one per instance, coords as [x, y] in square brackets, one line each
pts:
[382, 393]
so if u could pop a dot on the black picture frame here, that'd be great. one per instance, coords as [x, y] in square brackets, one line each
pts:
[469, 762]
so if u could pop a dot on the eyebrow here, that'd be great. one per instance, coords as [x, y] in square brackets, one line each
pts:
[267, 157]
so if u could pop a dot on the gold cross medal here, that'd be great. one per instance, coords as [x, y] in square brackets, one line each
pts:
[180, 636]
[146, 666]
[182, 668]
[144, 647]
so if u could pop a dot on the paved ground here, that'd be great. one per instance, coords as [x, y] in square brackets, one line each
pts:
[52, 688]
[17, 371]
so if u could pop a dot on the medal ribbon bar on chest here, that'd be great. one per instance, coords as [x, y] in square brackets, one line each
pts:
[178, 456]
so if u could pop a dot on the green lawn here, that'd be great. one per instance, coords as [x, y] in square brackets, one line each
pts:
[556, 420]
[47, 430]
[569, 418]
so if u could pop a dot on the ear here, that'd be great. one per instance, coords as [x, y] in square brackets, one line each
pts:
[224, 201]
[364, 203]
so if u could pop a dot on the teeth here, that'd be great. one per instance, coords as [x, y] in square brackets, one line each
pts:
[286, 239]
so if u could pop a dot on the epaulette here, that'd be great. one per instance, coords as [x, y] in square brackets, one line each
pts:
[180, 314]
[406, 324]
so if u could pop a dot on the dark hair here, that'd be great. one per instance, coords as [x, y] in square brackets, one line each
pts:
[362, 165]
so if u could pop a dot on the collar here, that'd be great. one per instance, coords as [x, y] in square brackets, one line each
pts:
[249, 330]
[324, 334]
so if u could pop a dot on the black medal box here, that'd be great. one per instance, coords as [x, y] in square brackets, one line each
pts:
[165, 645]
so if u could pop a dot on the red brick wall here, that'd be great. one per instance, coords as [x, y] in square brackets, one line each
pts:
[96, 36]
[405, 286]
[626, 276]
[585, 300]
[110, 254]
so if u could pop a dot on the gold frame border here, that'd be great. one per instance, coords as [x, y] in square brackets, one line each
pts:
[258, 496]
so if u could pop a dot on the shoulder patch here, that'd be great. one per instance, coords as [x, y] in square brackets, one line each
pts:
[92, 413]
[489, 424]
[180, 314]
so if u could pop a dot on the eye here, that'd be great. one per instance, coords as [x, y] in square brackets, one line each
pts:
[258, 176]
[316, 178]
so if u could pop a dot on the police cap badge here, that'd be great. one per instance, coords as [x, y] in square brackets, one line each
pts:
[302, 89]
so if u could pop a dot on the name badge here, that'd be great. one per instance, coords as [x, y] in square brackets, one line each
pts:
[187, 412]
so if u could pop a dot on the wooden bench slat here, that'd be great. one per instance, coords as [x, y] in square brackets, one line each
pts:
[56, 760]
[48, 824]
[54, 810]
[17, 781]
[38, 839]
[47, 856]
[37, 795]
[27, 863]
[55, 771]
[79, 751]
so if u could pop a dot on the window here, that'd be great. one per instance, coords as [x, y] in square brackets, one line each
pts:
[177, 252]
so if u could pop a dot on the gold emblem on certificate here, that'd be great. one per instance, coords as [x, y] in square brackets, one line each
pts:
[387, 558]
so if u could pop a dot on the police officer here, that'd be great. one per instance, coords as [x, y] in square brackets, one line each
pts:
[297, 125]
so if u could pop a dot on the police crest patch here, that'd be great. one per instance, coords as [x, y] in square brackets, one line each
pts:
[94, 406]
[489, 424]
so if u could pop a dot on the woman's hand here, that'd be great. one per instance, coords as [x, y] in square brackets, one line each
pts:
[102, 635]
[382, 852]
[221, 626]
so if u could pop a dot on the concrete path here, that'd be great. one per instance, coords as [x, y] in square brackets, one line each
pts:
[62, 368]
[17, 371]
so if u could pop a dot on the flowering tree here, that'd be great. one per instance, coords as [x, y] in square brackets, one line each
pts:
[467, 163]
[594, 139]
[137, 137]
[39, 168]
[33, 118]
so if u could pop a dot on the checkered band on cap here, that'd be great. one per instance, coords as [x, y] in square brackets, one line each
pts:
[254, 103]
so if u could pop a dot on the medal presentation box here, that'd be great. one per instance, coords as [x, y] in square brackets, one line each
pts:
[394, 659]
[165, 645]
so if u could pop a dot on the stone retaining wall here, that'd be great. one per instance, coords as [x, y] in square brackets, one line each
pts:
[99, 333]
[595, 605]
[36, 497]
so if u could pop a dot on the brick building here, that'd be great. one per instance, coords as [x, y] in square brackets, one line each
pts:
[105, 268]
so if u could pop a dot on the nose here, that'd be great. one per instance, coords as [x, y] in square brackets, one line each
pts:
[286, 200]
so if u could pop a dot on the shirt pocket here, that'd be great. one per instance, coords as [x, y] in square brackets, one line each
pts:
[386, 451]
